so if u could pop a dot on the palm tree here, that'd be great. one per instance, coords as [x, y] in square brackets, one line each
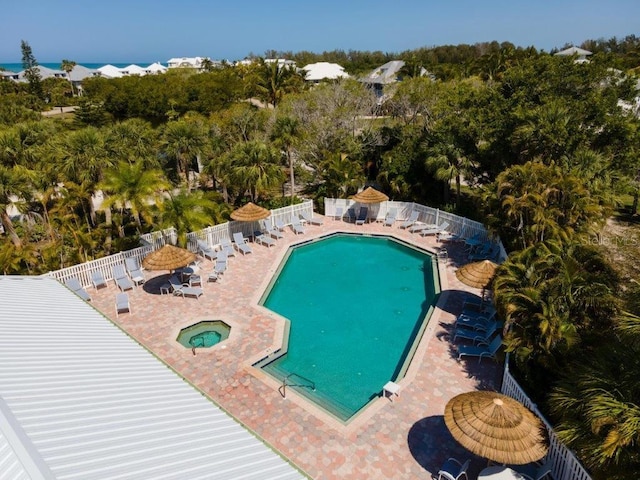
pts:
[68, 66]
[257, 169]
[185, 141]
[189, 212]
[277, 80]
[134, 187]
[14, 189]
[133, 140]
[286, 133]
[448, 162]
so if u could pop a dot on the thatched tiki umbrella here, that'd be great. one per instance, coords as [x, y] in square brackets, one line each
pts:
[250, 213]
[477, 274]
[168, 258]
[370, 195]
[496, 427]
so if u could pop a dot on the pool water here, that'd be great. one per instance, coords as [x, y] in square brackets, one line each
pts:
[356, 306]
[205, 339]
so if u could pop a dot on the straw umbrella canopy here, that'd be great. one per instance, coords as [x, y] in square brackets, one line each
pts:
[370, 195]
[496, 427]
[168, 258]
[477, 274]
[250, 213]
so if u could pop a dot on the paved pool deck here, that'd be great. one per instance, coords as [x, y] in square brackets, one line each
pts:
[402, 438]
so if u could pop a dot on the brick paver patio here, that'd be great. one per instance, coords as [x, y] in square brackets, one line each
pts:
[403, 438]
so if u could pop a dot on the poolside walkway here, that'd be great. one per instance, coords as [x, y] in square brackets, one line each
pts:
[403, 438]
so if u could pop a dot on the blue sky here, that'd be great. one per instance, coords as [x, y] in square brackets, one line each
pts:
[156, 30]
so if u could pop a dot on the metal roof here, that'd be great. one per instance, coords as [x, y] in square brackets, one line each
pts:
[91, 403]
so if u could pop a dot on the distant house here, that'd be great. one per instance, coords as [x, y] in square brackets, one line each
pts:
[79, 74]
[316, 72]
[134, 70]
[282, 62]
[110, 71]
[8, 75]
[384, 75]
[185, 62]
[44, 73]
[579, 53]
[155, 68]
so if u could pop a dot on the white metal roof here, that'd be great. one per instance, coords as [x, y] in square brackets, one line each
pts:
[94, 404]
[110, 71]
[321, 70]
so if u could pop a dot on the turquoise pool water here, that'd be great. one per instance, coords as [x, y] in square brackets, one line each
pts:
[356, 306]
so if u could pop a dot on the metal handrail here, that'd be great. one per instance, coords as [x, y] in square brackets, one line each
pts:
[283, 388]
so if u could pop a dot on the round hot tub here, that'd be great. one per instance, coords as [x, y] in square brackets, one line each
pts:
[204, 334]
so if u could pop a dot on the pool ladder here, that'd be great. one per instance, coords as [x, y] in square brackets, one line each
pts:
[308, 384]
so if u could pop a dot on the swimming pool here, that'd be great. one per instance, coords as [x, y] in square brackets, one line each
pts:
[357, 306]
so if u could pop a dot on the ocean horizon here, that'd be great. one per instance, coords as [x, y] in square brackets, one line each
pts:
[17, 66]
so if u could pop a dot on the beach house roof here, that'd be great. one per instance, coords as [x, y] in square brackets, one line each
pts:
[79, 398]
[185, 62]
[45, 72]
[110, 71]
[384, 74]
[80, 72]
[133, 70]
[580, 53]
[156, 68]
[324, 70]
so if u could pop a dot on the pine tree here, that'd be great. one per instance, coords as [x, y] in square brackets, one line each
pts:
[31, 70]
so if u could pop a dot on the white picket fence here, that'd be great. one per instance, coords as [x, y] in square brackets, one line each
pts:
[564, 464]
[154, 240]
[213, 235]
[461, 226]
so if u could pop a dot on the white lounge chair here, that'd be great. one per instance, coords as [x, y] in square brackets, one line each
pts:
[417, 227]
[390, 217]
[310, 219]
[363, 216]
[76, 287]
[135, 271]
[480, 351]
[262, 239]
[122, 303]
[435, 231]
[183, 289]
[338, 214]
[453, 470]
[121, 278]
[272, 230]
[97, 279]
[227, 247]
[296, 226]
[206, 251]
[241, 243]
[413, 218]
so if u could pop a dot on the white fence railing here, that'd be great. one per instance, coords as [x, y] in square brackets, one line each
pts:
[564, 464]
[213, 235]
[461, 226]
[160, 238]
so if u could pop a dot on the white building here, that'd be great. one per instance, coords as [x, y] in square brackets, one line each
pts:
[579, 53]
[185, 62]
[316, 72]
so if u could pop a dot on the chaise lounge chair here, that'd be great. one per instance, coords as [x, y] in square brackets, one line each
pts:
[97, 279]
[262, 239]
[296, 226]
[363, 216]
[435, 231]
[76, 287]
[413, 218]
[477, 336]
[206, 251]
[338, 214]
[122, 304]
[390, 217]
[533, 471]
[480, 351]
[241, 243]
[135, 271]
[183, 289]
[453, 470]
[227, 247]
[351, 215]
[271, 230]
[310, 219]
[121, 278]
